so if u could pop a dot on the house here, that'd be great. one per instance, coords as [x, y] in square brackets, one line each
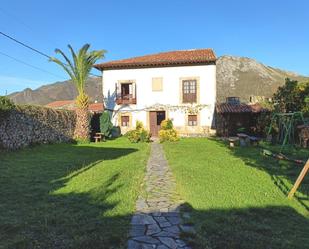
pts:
[177, 85]
[233, 115]
[70, 105]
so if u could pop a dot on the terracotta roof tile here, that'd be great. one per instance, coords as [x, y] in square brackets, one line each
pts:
[70, 105]
[181, 57]
[96, 107]
[240, 108]
[60, 103]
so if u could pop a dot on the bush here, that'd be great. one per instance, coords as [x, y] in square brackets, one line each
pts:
[139, 125]
[106, 125]
[6, 104]
[167, 124]
[116, 132]
[139, 134]
[167, 132]
[168, 135]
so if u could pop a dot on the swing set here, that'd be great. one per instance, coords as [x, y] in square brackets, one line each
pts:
[286, 124]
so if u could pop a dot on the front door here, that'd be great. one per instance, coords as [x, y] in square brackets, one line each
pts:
[155, 119]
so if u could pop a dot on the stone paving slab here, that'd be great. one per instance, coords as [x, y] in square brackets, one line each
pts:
[157, 223]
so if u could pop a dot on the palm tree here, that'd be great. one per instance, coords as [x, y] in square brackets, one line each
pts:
[79, 69]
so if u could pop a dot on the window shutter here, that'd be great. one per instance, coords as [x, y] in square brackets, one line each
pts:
[130, 89]
[118, 89]
[133, 90]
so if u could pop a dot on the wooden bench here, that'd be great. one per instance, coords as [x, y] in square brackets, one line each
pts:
[99, 137]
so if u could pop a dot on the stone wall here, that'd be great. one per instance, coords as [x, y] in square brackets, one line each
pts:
[27, 125]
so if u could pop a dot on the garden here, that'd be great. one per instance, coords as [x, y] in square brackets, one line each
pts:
[70, 195]
[80, 194]
[238, 197]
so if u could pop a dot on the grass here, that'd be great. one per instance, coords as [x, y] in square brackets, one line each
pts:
[238, 197]
[70, 196]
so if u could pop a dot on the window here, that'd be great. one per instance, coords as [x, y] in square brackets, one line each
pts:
[125, 121]
[125, 93]
[192, 120]
[157, 84]
[189, 91]
[233, 100]
[126, 90]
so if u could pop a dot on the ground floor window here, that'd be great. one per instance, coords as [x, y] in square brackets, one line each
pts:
[192, 120]
[125, 120]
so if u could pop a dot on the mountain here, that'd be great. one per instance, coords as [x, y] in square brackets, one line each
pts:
[236, 76]
[64, 90]
[244, 77]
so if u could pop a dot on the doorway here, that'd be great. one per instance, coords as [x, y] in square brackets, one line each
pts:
[155, 119]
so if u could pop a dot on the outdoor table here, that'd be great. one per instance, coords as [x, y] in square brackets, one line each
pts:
[243, 139]
[233, 140]
[99, 136]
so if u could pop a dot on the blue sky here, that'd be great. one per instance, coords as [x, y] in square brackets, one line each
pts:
[272, 32]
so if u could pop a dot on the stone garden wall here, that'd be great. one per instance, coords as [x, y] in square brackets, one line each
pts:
[27, 125]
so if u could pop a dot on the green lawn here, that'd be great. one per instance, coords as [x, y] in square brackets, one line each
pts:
[238, 197]
[70, 196]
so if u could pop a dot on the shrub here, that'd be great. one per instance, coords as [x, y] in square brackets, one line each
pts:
[106, 125]
[167, 132]
[144, 136]
[139, 125]
[139, 134]
[167, 124]
[168, 135]
[116, 132]
[6, 104]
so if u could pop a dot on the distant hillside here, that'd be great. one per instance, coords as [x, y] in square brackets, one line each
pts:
[236, 76]
[64, 90]
[243, 77]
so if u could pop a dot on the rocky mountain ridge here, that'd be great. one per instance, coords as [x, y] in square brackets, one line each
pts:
[236, 76]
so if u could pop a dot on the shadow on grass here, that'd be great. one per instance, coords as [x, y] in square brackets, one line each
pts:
[282, 173]
[34, 215]
[275, 227]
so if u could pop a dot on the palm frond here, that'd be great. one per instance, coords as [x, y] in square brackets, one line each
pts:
[64, 66]
[80, 65]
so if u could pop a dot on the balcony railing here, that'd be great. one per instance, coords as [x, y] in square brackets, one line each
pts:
[125, 99]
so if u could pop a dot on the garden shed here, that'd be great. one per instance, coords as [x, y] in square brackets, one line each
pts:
[232, 116]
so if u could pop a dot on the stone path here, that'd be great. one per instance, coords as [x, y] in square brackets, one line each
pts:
[157, 222]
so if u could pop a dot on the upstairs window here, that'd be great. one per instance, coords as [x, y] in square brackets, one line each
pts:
[189, 90]
[126, 90]
[192, 120]
[125, 93]
[125, 121]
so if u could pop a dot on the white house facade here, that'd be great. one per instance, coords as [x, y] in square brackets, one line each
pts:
[178, 85]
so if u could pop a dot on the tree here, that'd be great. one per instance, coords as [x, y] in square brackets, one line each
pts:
[78, 68]
[106, 124]
[292, 97]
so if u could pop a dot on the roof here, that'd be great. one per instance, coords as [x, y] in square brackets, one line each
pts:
[172, 58]
[60, 103]
[96, 107]
[239, 108]
[70, 105]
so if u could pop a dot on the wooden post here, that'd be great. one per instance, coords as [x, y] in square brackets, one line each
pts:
[299, 180]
